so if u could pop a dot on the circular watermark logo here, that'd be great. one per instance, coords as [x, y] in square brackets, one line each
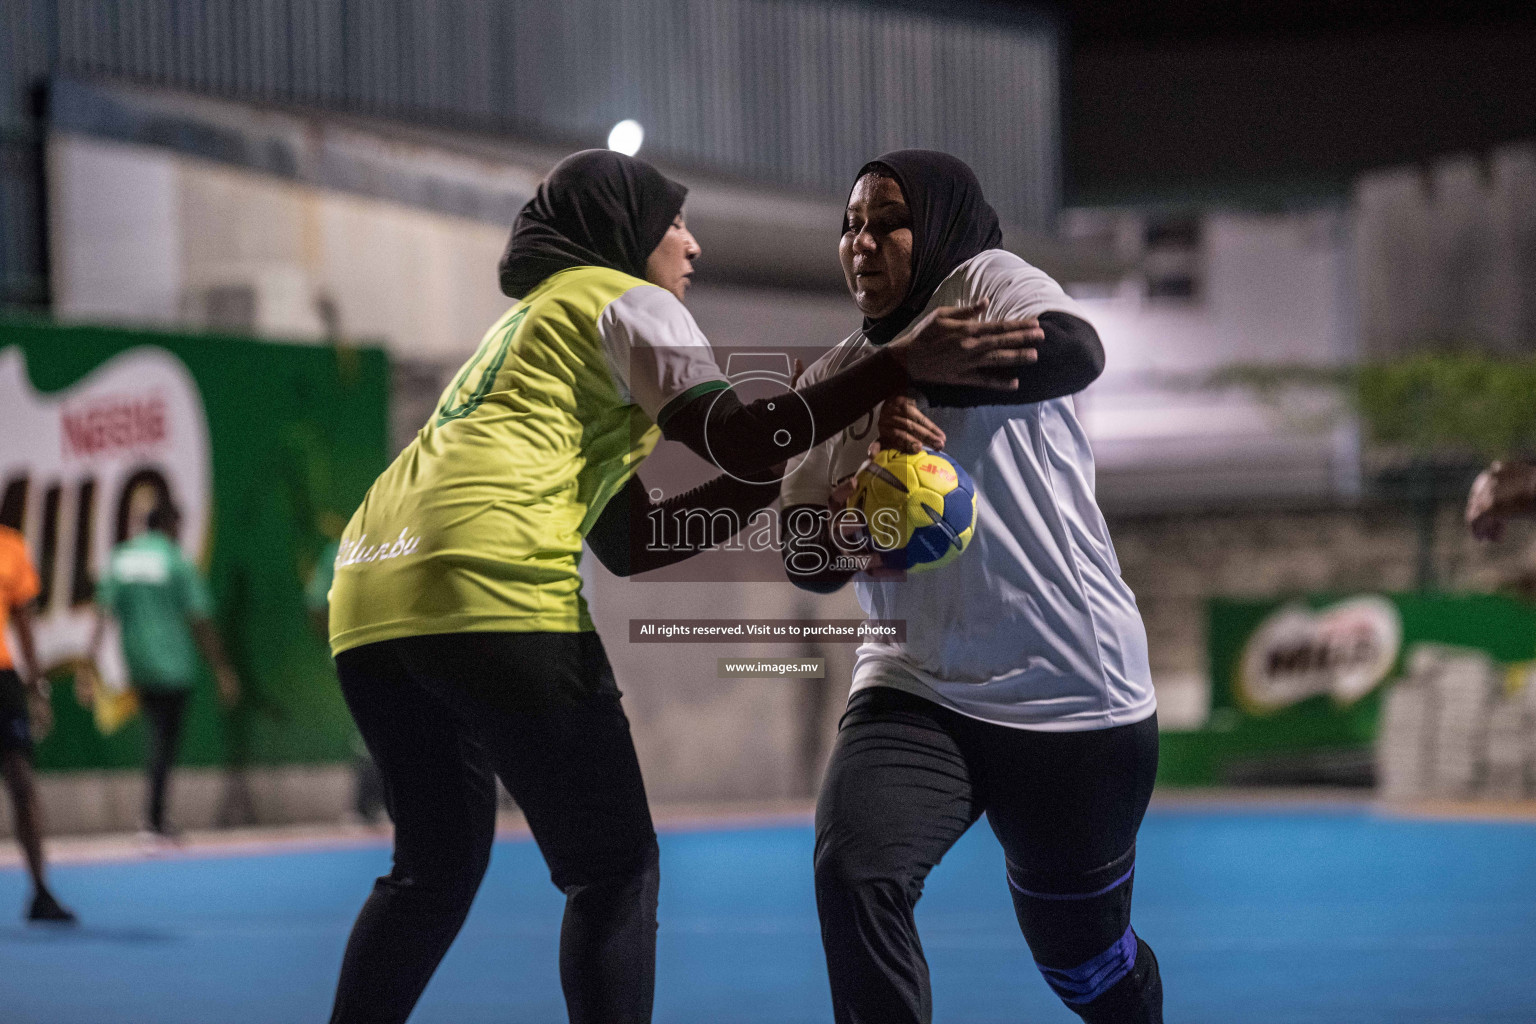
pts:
[765, 377]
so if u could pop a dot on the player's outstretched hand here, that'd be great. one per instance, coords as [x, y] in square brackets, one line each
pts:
[904, 427]
[40, 708]
[87, 681]
[951, 345]
[1502, 490]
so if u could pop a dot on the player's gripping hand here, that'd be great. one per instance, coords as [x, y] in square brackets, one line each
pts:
[951, 345]
[87, 683]
[229, 685]
[847, 530]
[904, 427]
[1502, 490]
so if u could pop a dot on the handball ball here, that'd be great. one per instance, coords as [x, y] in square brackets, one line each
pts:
[920, 510]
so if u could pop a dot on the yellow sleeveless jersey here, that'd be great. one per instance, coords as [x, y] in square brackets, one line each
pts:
[478, 523]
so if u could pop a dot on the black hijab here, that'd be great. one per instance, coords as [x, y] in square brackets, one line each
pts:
[597, 208]
[951, 222]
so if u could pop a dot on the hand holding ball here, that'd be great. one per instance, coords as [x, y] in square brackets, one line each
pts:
[919, 510]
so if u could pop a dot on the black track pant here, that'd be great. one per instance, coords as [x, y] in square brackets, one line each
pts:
[443, 716]
[164, 711]
[908, 777]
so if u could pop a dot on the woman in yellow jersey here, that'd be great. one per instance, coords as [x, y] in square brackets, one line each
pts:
[462, 640]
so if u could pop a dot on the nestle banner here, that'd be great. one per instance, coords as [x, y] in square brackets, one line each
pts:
[1297, 685]
[266, 448]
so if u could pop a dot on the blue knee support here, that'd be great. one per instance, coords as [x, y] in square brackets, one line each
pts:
[1092, 978]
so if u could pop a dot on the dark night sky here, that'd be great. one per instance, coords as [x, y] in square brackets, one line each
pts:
[1094, 22]
[1244, 101]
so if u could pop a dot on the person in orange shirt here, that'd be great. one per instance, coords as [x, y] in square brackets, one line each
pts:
[19, 678]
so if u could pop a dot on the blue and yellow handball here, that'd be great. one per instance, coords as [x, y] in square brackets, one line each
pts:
[919, 510]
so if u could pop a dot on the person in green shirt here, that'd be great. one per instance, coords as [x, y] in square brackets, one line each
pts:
[368, 794]
[317, 592]
[164, 611]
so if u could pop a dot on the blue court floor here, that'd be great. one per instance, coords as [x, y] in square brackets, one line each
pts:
[1268, 917]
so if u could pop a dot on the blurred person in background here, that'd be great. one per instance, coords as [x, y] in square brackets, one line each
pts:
[1503, 491]
[317, 589]
[22, 682]
[164, 613]
[462, 640]
[368, 787]
[1022, 689]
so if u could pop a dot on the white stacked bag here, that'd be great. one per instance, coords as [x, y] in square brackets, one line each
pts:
[1458, 726]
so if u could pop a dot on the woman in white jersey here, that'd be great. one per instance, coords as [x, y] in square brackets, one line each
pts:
[1022, 689]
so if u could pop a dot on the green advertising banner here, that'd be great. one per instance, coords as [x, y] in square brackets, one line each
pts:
[267, 448]
[1297, 686]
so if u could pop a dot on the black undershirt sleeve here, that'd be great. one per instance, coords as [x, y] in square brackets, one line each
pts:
[746, 439]
[622, 536]
[740, 438]
[1071, 358]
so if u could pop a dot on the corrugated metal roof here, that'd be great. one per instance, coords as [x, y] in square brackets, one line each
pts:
[790, 92]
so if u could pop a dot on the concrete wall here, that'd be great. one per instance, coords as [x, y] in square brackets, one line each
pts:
[150, 236]
[1267, 288]
[113, 801]
[1448, 252]
[144, 235]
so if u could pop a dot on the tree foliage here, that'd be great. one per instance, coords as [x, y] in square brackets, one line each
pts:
[1432, 405]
